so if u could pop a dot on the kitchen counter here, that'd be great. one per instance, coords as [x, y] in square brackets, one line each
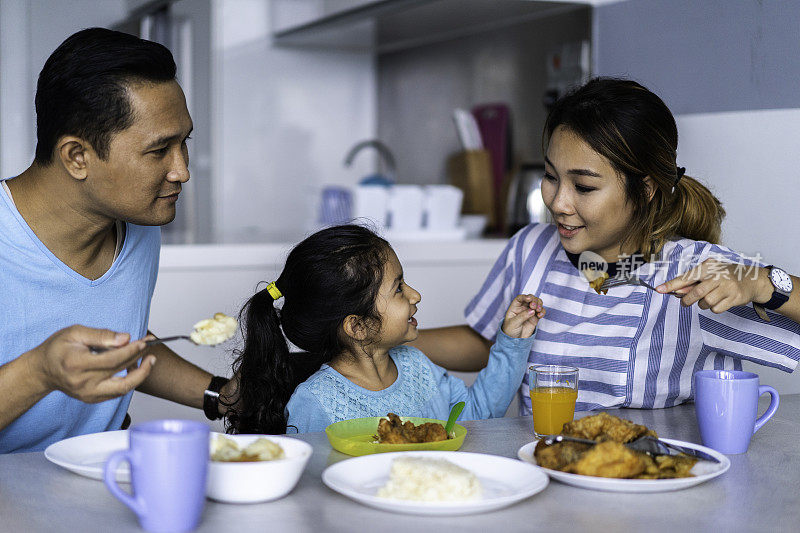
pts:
[758, 493]
[211, 256]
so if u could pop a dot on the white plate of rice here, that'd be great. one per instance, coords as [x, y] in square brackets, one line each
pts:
[435, 483]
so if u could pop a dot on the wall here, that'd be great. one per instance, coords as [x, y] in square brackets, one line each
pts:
[419, 88]
[729, 72]
[29, 32]
[705, 57]
[283, 121]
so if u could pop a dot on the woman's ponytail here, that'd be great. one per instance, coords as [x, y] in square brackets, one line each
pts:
[687, 209]
[262, 371]
[699, 212]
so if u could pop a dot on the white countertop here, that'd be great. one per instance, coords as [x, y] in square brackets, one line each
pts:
[201, 256]
[758, 493]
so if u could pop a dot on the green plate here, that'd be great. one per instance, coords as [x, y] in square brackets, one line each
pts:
[357, 437]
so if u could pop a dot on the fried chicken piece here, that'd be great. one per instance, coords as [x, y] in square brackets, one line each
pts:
[672, 466]
[394, 431]
[429, 432]
[559, 455]
[609, 459]
[603, 427]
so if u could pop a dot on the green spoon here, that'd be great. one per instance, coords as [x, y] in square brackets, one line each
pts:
[451, 420]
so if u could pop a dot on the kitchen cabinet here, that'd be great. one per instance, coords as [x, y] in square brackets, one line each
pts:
[392, 25]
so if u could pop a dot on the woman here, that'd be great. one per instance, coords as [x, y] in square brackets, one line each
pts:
[613, 188]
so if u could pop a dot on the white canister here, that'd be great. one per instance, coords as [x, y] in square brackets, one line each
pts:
[405, 207]
[371, 204]
[442, 207]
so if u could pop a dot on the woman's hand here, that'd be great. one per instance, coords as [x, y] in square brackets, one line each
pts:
[718, 286]
[522, 316]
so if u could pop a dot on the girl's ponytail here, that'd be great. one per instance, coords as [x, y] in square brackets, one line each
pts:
[262, 371]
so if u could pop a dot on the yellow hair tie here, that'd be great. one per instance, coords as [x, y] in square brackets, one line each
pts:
[273, 291]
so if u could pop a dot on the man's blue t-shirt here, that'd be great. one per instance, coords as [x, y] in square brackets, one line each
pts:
[40, 295]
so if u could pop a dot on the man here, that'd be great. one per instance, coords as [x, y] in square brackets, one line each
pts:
[79, 244]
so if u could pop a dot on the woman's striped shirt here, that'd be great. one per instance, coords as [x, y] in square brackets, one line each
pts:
[634, 347]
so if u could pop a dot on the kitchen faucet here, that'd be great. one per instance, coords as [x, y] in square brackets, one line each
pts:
[383, 151]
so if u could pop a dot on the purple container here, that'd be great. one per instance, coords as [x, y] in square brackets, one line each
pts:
[169, 465]
[726, 403]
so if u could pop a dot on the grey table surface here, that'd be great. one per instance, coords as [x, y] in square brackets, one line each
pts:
[760, 492]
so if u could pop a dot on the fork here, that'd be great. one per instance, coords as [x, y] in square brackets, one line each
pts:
[655, 446]
[646, 444]
[624, 279]
[100, 349]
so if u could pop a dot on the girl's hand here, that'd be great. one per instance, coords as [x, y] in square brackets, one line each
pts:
[522, 316]
[719, 286]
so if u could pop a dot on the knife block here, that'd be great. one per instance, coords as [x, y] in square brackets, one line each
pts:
[471, 171]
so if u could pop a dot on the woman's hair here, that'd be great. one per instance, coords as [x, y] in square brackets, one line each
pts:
[332, 274]
[633, 128]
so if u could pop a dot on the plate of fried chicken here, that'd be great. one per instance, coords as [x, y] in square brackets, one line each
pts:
[392, 433]
[611, 466]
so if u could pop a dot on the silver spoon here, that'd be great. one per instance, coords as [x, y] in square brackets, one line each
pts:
[100, 349]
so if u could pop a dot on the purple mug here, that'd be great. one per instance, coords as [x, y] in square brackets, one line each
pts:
[169, 464]
[726, 403]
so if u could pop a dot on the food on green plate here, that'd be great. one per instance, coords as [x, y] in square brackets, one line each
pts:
[394, 431]
[226, 450]
[430, 480]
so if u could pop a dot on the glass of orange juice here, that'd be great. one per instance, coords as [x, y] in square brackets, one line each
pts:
[554, 389]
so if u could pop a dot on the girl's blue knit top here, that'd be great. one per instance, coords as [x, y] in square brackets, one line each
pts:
[421, 389]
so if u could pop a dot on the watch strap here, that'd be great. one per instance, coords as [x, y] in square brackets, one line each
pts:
[777, 300]
[211, 397]
[761, 312]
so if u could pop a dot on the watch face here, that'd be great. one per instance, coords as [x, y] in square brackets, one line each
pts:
[781, 280]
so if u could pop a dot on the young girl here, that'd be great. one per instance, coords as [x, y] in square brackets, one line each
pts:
[345, 300]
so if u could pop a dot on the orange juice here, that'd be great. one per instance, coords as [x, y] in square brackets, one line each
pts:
[552, 408]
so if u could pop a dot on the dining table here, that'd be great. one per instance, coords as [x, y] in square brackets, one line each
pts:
[760, 491]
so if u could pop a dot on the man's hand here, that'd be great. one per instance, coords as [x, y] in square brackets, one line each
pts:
[64, 362]
[522, 316]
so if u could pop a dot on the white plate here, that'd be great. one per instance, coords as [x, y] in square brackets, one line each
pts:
[503, 481]
[702, 470]
[87, 454]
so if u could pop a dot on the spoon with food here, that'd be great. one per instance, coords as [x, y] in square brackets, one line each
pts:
[207, 332]
[211, 331]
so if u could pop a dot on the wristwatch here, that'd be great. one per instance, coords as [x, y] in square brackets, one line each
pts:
[783, 285]
[211, 398]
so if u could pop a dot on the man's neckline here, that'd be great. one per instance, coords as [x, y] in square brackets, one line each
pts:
[119, 226]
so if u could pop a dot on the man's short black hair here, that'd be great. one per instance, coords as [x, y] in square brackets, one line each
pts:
[82, 89]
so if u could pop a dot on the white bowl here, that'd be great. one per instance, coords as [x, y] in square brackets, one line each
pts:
[257, 481]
